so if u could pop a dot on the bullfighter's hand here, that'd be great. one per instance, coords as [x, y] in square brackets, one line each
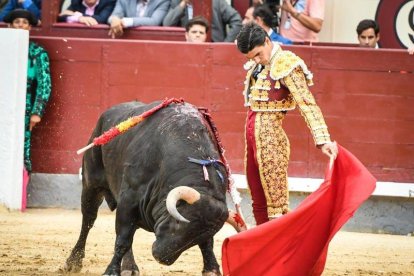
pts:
[116, 28]
[330, 149]
[34, 119]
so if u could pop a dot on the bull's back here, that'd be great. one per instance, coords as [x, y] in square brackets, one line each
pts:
[96, 170]
[143, 145]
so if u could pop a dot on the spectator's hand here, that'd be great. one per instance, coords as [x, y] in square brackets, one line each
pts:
[184, 3]
[67, 12]
[411, 51]
[287, 6]
[116, 28]
[330, 149]
[88, 21]
[34, 119]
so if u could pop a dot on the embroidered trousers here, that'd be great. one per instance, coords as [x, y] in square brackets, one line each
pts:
[266, 163]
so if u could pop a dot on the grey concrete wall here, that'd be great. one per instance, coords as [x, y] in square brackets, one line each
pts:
[390, 215]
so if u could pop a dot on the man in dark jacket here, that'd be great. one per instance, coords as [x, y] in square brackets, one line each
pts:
[88, 12]
[181, 11]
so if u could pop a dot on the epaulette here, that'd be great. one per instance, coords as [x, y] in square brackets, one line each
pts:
[284, 63]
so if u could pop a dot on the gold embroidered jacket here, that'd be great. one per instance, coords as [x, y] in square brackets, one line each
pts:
[281, 86]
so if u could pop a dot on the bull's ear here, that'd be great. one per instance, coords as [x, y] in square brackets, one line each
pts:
[185, 193]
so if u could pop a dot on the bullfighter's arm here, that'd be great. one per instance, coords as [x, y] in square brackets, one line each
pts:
[296, 83]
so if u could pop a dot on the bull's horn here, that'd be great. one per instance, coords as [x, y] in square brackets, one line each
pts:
[185, 193]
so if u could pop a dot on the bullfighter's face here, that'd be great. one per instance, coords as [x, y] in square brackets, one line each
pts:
[261, 54]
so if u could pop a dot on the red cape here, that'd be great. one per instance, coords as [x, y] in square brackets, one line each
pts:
[297, 243]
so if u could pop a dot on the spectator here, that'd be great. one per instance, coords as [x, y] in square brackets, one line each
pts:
[133, 13]
[368, 33]
[302, 20]
[38, 79]
[88, 12]
[224, 16]
[34, 6]
[257, 2]
[248, 16]
[265, 18]
[196, 30]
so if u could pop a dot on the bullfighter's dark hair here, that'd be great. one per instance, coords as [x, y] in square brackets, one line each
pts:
[367, 24]
[250, 36]
[265, 13]
[197, 20]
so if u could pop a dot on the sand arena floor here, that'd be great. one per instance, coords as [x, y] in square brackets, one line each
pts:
[38, 241]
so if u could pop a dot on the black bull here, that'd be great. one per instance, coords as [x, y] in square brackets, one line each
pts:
[138, 170]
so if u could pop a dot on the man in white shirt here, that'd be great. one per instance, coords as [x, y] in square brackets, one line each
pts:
[368, 33]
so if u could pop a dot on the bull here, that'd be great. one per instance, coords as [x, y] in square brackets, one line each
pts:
[153, 176]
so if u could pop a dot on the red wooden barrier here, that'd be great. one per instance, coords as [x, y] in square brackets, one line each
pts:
[365, 95]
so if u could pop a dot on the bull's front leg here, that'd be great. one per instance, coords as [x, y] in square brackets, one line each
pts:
[211, 266]
[125, 230]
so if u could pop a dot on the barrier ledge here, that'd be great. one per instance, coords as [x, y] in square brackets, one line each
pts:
[309, 185]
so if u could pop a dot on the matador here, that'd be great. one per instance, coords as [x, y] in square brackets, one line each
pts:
[276, 82]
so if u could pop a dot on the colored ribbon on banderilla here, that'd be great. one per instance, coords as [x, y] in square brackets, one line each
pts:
[127, 124]
[207, 162]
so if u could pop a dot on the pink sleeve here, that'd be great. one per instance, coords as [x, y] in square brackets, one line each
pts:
[316, 8]
[74, 18]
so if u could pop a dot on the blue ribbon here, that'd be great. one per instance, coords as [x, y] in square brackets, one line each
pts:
[208, 162]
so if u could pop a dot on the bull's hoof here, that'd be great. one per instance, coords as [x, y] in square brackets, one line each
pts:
[72, 265]
[130, 273]
[211, 273]
[129, 267]
[110, 271]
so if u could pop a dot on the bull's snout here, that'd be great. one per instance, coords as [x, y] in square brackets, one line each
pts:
[165, 256]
